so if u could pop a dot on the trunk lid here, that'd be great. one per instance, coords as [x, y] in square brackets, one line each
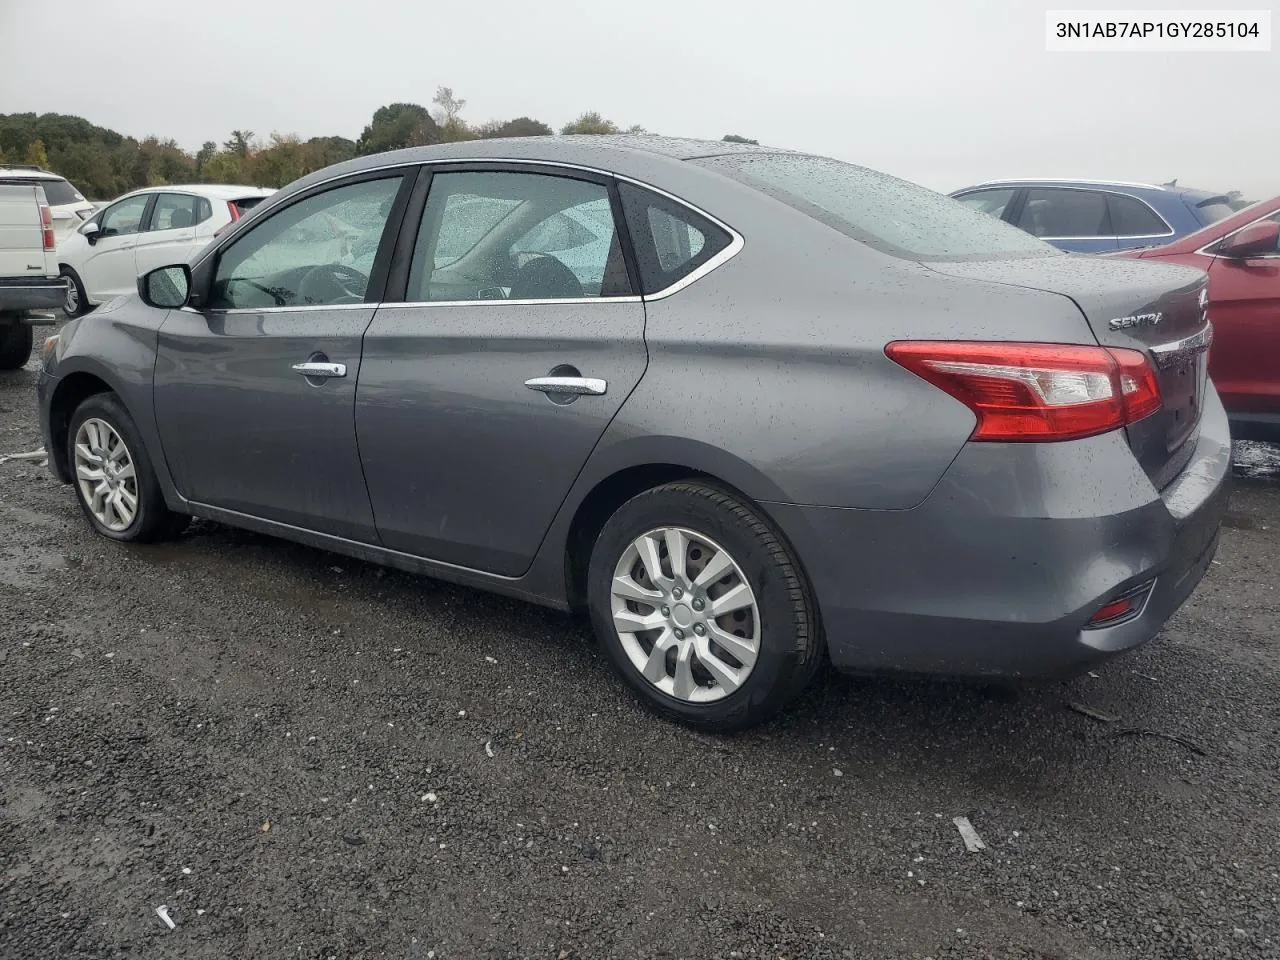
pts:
[1136, 304]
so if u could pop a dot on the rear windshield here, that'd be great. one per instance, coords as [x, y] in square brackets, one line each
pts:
[1214, 209]
[245, 204]
[890, 215]
[57, 192]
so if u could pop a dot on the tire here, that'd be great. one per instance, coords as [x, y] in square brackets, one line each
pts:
[779, 628]
[92, 425]
[76, 302]
[15, 344]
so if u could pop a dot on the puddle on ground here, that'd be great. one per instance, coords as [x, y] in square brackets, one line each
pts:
[1257, 461]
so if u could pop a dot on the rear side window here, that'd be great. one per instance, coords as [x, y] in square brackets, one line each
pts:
[1133, 218]
[670, 240]
[173, 211]
[1064, 214]
[893, 216]
[204, 209]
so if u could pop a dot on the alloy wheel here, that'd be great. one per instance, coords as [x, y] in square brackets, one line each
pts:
[105, 474]
[686, 615]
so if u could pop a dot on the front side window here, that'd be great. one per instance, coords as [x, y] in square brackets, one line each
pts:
[173, 211]
[671, 240]
[516, 236]
[316, 252]
[893, 216]
[990, 202]
[1066, 214]
[124, 218]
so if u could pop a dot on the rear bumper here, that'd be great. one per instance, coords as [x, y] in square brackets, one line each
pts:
[997, 573]
[36, 293]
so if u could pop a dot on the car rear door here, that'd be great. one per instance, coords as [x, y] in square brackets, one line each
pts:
[170, 235]
[109, 267]
[1244, 306]
[255, 386]
[483, 393]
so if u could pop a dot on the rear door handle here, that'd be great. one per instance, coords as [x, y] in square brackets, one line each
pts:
[574, 386]
[321, 370]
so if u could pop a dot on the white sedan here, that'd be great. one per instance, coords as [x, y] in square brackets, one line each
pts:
[104, 257]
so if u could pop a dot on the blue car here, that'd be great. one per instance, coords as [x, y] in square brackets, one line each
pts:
[1097, 215]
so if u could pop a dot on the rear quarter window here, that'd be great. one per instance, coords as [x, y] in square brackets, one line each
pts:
[58, 192]
[893, 216]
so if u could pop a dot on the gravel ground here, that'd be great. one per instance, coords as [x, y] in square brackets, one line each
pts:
[305, 756]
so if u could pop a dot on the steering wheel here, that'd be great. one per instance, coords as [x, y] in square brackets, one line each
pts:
[332, 283]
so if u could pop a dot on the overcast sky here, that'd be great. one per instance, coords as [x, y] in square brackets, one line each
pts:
[944, 92]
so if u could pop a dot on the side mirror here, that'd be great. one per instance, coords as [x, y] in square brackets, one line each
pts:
[166, 288]
[91, 231]
[1255, 240]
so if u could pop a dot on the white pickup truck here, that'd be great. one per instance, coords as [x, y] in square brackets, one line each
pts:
[29, 281]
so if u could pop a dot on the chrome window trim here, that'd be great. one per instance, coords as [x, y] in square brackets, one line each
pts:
[1111, 236]
[736, 242]
[1070, 180]
[393, 304]
[1204, 251]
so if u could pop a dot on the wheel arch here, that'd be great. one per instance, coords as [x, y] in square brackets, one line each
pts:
[631, 468]
[72, 390]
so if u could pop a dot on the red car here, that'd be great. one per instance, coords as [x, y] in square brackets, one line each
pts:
[1241, 254]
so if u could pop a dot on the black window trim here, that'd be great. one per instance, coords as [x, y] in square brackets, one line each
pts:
[1106, 194]
[144, 221]
[159, 192]
[420, 181]
[402, 258]
[205, 269]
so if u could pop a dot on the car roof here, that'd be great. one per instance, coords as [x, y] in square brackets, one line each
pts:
[214, 191]
[623, 153]
[1171, 189]
[32, 173]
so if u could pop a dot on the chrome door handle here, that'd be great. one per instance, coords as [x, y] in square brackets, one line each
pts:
[322, 370]
[575, 386]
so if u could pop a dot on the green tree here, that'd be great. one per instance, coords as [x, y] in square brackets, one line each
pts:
[636, 129]
[519, 127]
[590, 122]
[37, 155]
[734, 138]
[241, 143]
[207, 150]
[330, 150]
[398, 125]
[224, 167]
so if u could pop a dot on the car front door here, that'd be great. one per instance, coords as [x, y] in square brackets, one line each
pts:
[109, 265]
[483, 394]
[170, 236]
[1244, 305]
[255, 388]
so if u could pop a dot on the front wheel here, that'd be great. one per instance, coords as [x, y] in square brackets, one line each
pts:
[702, 608]
[114, 480]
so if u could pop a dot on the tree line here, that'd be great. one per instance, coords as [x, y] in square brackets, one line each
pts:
[103, 164]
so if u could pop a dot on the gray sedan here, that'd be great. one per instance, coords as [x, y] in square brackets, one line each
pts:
[751, 410]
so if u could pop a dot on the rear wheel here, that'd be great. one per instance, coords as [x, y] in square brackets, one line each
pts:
[114, 479]
[702, 608]
[75, 302]
[15, 343]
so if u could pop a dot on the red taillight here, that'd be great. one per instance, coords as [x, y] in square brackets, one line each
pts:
[235, 215]
[1037, 391]
[46, 226]
[1123, 608]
